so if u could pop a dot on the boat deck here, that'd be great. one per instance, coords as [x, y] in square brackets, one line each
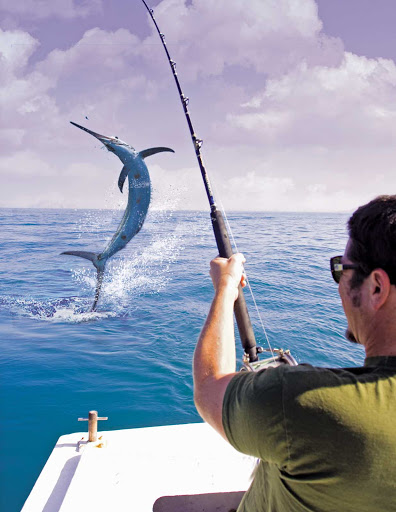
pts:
[175, 468]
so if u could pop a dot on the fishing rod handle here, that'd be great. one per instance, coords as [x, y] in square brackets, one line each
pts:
[240, 308]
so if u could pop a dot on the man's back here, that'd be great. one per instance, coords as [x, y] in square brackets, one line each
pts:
[326, 437]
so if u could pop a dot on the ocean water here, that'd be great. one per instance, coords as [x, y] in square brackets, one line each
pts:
[131, 360]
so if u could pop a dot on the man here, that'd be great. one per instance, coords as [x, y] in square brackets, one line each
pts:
[326, 437]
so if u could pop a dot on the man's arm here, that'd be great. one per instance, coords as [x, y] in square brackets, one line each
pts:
[214, 357]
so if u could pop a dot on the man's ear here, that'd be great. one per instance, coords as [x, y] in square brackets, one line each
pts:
[379, 287]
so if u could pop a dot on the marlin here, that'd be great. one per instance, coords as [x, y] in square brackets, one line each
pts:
[138, 201]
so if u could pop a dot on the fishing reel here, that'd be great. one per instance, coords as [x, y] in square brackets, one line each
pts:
[278, 357]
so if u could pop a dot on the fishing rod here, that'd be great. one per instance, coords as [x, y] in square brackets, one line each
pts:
[220, 230]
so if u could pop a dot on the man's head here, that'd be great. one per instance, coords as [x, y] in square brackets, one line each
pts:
[372, 234]
[372, 247]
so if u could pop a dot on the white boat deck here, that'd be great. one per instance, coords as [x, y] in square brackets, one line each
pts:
[186, 468]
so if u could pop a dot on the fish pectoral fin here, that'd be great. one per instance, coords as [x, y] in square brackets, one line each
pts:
[123, 174]
[152, 151]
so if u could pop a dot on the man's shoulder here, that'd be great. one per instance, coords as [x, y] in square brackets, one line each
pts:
[287, 379]
[311, 386]
[306, 370]
[307, 375]
[290, 382]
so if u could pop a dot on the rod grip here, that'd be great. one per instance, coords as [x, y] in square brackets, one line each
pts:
[240, 309]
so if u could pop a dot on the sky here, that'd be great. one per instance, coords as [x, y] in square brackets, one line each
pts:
[295, 101]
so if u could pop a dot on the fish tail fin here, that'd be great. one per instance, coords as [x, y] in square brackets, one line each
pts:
[99, 265]
[152, 151]
[91, 256]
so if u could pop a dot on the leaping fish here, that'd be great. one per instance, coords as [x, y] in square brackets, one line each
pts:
[138, 201]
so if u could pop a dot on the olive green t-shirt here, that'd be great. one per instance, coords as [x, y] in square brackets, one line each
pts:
[326, 437]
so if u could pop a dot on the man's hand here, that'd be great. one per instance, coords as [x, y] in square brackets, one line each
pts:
[228, 274]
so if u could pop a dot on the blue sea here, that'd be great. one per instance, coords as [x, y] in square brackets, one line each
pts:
[131, 360]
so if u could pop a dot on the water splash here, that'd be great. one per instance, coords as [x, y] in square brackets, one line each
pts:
[137, 272]
[144, 268]
[70, 310]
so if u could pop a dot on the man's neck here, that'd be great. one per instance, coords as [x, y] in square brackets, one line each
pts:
[381, 351]
[380, 330]
[382, 339]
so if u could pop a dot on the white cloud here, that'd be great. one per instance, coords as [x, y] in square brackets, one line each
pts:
[269, 124]
[350, 104]
[16, 47]
[12, 137]
[25, 163]
[269, 36]
[25, 101]
[319, 199]
[97, 74]
[267, 190]
[40, 9]
[98, 51]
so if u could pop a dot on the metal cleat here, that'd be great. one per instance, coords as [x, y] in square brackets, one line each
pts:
[93, 425]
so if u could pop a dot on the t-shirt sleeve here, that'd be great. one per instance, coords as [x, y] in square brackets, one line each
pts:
[253, 417]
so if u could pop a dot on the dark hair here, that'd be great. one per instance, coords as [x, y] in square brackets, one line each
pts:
[372, 230]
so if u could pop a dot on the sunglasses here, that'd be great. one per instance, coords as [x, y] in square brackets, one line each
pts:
[337, 267]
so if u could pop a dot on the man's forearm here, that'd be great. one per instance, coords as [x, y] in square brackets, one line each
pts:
[215, 350]
[214, 359]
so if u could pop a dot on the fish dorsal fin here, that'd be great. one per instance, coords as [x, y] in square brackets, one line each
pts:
[152, 151]
[122, 178]
[143, 154]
